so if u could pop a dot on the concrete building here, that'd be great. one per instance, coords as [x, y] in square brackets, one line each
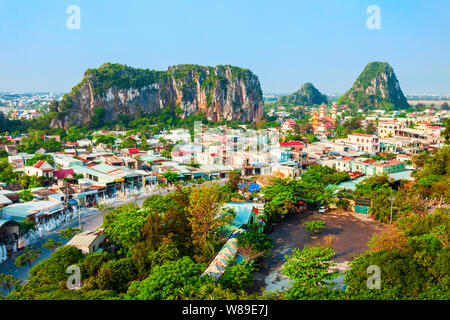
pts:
[365, 142]
[88, 242]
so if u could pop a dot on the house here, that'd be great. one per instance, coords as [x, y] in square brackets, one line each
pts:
[16, 161]
[46, 138]
[208, 158]
[38, 211]
[130, 163]
[41, 151]
[41, 169]
[88, 242]
[11, 195]
[112, 160]
[292, 145]
[288, 125]
[184, 157]
[391, 166]
[131, 151]
[84, 143]
[364, 142]
[11, 149]
[286, 170]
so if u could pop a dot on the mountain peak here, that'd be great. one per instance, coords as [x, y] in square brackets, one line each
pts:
[376, 86]
[306, 95]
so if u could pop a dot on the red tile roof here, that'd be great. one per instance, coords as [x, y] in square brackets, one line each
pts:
[291, 143]
[355, 174]
[133, 150]
[388, 164]
[39, 164]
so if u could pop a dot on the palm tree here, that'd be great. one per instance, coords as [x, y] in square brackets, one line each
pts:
[8, 281]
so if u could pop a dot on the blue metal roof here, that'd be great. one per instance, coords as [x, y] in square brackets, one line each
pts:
[252, 187]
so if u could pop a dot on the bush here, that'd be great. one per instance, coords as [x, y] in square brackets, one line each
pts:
[116, 275]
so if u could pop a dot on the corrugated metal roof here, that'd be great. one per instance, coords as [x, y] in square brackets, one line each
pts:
[4, 200]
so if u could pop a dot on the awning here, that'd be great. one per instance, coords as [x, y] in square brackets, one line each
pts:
[198, 175]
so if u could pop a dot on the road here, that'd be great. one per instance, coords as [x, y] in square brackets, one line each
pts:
[91, 219]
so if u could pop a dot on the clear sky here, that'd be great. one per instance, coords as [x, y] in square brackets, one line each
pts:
[286, 43]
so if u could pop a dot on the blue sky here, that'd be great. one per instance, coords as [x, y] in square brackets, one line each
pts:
[286, 43]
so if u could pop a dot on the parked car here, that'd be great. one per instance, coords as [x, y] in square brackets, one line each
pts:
[323, 209]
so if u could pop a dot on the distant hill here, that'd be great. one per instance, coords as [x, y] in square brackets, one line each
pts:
[307, 95]
[377, 86]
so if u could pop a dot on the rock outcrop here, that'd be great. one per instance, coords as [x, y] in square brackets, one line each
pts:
[220, 93]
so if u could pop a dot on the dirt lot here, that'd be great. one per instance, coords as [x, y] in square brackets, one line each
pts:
[352, 231]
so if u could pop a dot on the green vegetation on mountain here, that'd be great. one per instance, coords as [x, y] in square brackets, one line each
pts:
[114, 90]
[376, 87]
[307, 95]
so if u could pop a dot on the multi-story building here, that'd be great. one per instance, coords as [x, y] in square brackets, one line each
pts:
[389, 128]
[365, 142]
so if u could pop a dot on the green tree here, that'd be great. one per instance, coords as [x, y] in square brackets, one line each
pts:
[253, 245]
[27, 182]
[8, 281]
[123, 226]
[51, 244]
[237, 276]
[314, 226]
[50, 274]
[26, 195]
[92, 263]
[26, 225]
[7, 175]
[401, 276]
[97, 120]
[446, 132]
[308, 270]
[40, 157]
[205, 214]
[166, 281]
[116, 275]
[234, 178]
[170, 176]
[68, 233]
[29, 255]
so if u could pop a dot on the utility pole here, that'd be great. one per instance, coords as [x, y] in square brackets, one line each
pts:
[392, 203]
[79, 220]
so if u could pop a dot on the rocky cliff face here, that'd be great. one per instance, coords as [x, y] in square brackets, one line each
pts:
[220, 93]
[376, 86]
[307, 95]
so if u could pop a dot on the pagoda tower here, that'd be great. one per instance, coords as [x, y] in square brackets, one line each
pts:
[322, 111]
[334, 113]
[315, 119]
